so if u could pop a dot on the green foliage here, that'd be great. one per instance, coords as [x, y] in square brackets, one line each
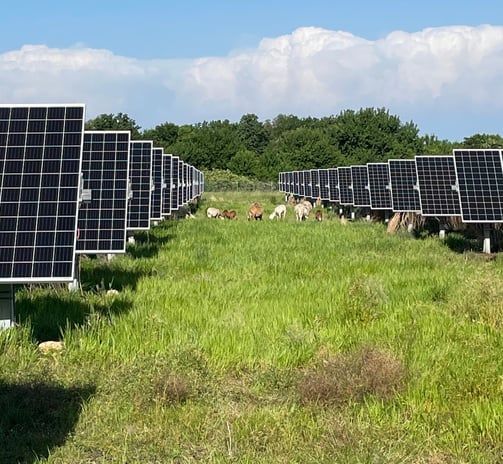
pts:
[483, 141]
[119, 121]
[222, 180]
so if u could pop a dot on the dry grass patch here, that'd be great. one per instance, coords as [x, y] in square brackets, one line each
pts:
[352, 377]
[172, 388]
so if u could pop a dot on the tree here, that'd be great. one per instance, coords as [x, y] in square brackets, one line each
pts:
[371, 135]
[433, 146]
[208, 145]
[252, 133]
[483, 141]
[245, 163]
[112, 122]
[163, 135]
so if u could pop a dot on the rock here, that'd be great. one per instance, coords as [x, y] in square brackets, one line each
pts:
[46, 347]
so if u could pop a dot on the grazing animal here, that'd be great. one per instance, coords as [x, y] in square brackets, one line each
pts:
[291, 200]
[213, 212]
[255, 211]
[279, 212]
[319, 215]
[318, 201]
[301, 212]
[229, 214]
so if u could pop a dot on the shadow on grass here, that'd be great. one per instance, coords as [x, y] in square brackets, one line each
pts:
[36, 418]
[100, 275]
[50, 312]
[148, 243]
[461, 243]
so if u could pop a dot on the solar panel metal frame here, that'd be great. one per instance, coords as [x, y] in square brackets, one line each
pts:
[380, 194]
[333, 185]
[102, 220]
[40, 187]
[166, 181]
[156, 199]
[359, 184]
[436, 178]
[403, 186]
[140, 172]
[479, 175]
[345, 182]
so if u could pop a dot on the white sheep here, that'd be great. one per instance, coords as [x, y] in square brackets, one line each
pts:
[213, 212]
[301, 211]
[279, 212]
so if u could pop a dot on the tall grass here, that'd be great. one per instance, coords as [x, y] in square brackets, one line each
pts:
[266, 341]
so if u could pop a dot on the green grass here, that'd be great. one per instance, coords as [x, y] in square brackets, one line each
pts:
[260, 342]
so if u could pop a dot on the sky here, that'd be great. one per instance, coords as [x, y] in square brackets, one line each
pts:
[438, 64]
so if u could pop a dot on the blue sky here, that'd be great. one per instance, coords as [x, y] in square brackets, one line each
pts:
[436, 63]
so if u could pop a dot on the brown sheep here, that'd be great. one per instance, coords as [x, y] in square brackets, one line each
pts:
[255, 211]
[319, 215]
[229, 214]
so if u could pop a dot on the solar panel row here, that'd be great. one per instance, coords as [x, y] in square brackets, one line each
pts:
[468, 184]
[66, 191]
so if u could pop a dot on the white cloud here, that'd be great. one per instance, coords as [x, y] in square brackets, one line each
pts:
[438, 71]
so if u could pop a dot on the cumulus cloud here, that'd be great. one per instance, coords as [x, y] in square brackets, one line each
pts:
[423, 76]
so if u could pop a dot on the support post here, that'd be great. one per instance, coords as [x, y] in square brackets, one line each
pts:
[7, 306]
[486, 247]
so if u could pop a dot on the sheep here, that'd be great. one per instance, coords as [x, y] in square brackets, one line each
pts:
[279, 212]
[255, 211]
[301, 211]
[213, 212]
[318, 215]
[229, 214]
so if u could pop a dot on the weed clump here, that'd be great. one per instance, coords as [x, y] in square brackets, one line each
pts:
[352, 377]
[172, 389]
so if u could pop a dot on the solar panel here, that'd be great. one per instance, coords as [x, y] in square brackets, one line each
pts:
[189, 182]
[40, 165]
[302, 184]
[315, 182]
[174, 182]
[403, 185]
[296, 183]
[380, 194]
[333, 185]
[345, 190]
[166, 182]
[324, 187]
[291, 183]
[185, 183]
[180, 183]
[479, 176]
[360, 180]
[436, 177]
[308, 186]
[105, 169]
[156, 194]
[140, 173]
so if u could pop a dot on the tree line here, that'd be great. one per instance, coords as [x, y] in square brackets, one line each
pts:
[261, 150]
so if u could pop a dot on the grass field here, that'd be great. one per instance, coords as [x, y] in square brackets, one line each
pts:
[261, 342]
